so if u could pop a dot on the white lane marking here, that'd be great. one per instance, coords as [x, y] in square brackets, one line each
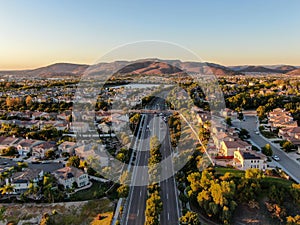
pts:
[140, 193]
[168, 216]
[167, 196]
[138, 212]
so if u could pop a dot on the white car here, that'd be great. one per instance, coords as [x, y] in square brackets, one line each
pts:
[275, 157]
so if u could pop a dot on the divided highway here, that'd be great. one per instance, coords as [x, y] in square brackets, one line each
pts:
[134, 210]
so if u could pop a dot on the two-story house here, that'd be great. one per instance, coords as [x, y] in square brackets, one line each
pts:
[68, 176]
[249, 159]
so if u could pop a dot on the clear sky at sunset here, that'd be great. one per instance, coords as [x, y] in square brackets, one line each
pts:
[35, 33]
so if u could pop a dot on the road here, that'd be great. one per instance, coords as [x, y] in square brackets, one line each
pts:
[134, 210]
[48, 167]
[291, 167]
[169, 195]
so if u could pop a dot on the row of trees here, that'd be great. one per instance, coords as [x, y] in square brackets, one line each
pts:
[174, 123]
[26, 103]
[153, 203]
[47, 133]
[154, 160]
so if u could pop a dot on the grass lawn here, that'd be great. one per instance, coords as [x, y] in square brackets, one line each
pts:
[222, 170]
[277, 181]
[96, 191]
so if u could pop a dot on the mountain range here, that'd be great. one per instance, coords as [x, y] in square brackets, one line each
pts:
[151, 66]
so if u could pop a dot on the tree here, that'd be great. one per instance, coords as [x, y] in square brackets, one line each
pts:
[21, 165]
[123, 191]
[45, 220]
[50, 154]
[8, 188]
[228, 121]
[3, 176]
[190, 218]
[261, 112]
[293, 220]
[28, 101]
[244, 133]
[9, 151]
[267, 150]
[288, 146]
[240, 116]
[74, 161]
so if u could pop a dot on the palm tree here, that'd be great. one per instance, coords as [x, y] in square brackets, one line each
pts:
[8, 188]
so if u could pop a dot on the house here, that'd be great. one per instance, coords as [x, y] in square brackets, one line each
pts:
[27, 124]
[119, 121]
[37, 115]
[9, 141]
[96, 151]
[64, 116]
[228, 148]
[221, 136]
[104, 127]
[21, 180]
[67, 146]
[25, 146]
[79, 127]
[281, 118]
[249, 159]
[61, 126]
[228, 113]
[291, 134]
[40, 150]
[67, 176]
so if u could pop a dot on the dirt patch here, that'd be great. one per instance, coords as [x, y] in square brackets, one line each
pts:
[77, 212]
[245, 214]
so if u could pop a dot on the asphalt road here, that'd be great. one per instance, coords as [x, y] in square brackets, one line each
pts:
[291, 167]
[170, 213]
[134, 211]
[48, 167]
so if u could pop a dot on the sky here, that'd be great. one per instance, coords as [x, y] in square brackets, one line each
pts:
[36, 33]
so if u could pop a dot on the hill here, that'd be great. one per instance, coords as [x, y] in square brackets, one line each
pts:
[259, 69]
[149, 67]
[54, 70]
[285, 68]
[294, 72]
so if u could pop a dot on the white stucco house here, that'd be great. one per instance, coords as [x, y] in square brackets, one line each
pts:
[67, 176]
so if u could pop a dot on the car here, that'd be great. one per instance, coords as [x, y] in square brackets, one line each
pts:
[257, 132]
[275, 157]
